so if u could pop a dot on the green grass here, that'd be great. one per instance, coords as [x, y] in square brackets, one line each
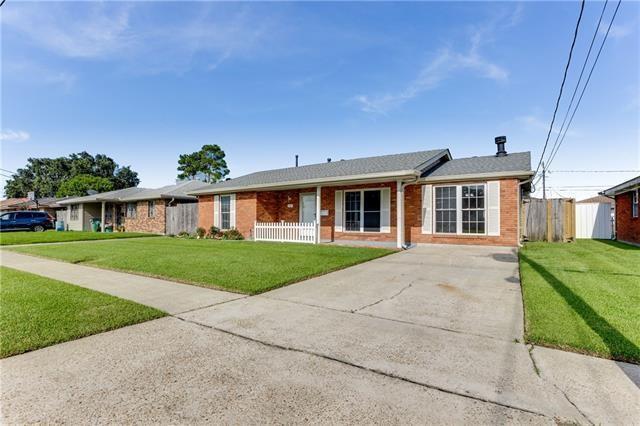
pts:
[12, 238]
[243, 266]
[38, 312]
[583, 296]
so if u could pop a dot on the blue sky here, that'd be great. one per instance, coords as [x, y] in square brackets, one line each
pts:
[146, 81]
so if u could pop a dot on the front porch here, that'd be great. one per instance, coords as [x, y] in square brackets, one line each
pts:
[365, 213]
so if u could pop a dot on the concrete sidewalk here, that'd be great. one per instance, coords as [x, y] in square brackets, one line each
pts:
[168, 296]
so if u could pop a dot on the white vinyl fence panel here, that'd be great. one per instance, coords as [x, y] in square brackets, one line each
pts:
[285, 232]
[593, 220]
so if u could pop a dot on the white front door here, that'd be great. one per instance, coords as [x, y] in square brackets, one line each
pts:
[307, 207]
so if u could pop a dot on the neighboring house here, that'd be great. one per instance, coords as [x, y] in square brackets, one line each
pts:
[627, 196]
[136, 209]
[401, 199]
[47, 204]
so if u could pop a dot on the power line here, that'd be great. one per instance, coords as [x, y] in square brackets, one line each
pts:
[564, 79]
[553, 153]
[8, 171]
[584, 65]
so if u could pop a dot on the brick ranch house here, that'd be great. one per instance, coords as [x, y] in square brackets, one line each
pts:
[627, 197]
[137, 209]
[399, 200]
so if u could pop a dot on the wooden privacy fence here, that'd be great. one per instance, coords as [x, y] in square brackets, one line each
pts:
[181, 217]
[549, 220]
[285, 231]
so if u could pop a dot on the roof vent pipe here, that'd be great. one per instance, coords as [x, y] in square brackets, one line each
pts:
[328, 160]
[500, 141]
[296, 160]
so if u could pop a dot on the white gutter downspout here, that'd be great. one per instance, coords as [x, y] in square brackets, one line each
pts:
[400, 211]
[519, 204]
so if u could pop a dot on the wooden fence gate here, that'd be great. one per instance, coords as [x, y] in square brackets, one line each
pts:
[549, 220]
[181, 217]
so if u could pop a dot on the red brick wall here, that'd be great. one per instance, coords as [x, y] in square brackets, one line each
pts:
[142, 222]
[627, 227]
[272, 206]
[246, 211]
[508, 219]
[205, 211]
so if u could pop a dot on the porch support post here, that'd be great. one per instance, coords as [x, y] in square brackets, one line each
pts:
[102, 214]
[318, 218]
[399, 214]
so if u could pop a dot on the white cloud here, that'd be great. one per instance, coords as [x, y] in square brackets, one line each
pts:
[14, 135]
[618, 30]
[123, 32]
[446, 63]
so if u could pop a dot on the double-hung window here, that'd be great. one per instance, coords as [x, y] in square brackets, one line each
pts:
[74, 212]
[151, 208]
[473, 217]
[352, 210]
[446, 209]
[363, 210]
[634, 202]
[460, 209]
[132, 210]
[225, 211]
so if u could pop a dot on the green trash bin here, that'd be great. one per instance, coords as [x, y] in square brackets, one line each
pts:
[108, 228]
[95, 225]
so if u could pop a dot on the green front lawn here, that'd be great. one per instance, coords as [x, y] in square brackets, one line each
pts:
[243, 266]
[37, 312]
[583, 296]
[12, 238]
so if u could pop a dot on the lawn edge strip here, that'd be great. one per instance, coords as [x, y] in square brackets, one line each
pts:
[155, 314]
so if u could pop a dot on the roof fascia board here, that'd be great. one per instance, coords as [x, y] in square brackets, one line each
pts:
[471, 176]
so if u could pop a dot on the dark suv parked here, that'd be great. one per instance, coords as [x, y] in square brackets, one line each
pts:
[26, 221]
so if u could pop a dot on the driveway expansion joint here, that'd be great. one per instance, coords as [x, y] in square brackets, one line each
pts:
[399, 321]
[360, 367]
[530, 349]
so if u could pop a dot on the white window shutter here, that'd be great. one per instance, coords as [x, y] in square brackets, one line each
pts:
[427, 210]
[385, 210]
[232, 211]
[493, 207]
[216, 211]
[338, 214]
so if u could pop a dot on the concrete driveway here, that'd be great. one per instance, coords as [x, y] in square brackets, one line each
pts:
[473, 290]
[429, 335]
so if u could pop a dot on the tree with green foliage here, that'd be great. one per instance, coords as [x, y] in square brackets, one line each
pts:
[81, 184]
[45, 175]
[208, 163]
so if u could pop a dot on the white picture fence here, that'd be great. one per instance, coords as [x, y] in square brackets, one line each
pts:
[285, 232]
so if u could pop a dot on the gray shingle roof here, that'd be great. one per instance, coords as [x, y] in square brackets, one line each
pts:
[179, 191]
[394, 163]
[104, 196]
[514, 162]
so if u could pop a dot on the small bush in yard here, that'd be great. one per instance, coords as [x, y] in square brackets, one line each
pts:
[232, 234]
[214, 232]
[200, 232]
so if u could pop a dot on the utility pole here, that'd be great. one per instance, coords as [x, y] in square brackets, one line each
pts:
[544, 183]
